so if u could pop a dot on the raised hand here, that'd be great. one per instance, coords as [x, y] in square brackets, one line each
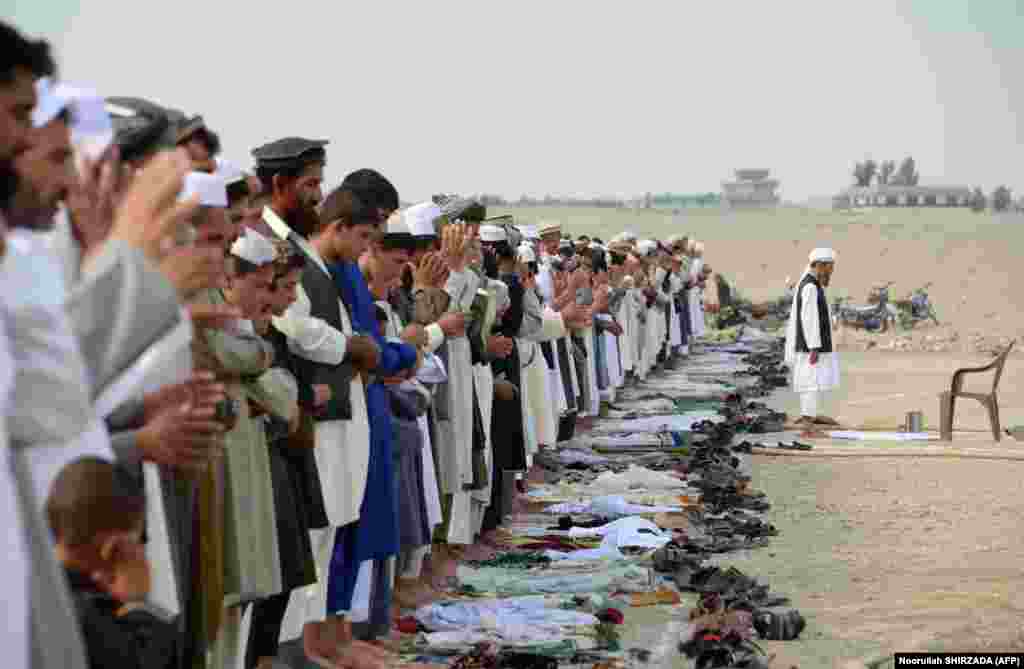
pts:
[499, 347]
[415, 334]
[202, 391]
[192, 269]
[364, 353]
[212, 316]
[91, 199]
[181, 436]
[149, 214]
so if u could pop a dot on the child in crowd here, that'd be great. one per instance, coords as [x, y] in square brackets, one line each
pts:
[96, 511]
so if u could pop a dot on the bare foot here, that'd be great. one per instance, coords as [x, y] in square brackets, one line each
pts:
[329, 644]
[478, 551]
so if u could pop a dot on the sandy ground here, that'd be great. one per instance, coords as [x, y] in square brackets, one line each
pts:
[885, 553]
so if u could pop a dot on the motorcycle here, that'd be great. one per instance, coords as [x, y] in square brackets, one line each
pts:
[915, 308]
[878, 314]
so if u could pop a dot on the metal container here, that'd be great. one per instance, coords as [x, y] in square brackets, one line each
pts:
[915, 422]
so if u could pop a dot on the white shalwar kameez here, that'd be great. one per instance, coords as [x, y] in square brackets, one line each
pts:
[696, 296]
[342, 447]
[810, 381]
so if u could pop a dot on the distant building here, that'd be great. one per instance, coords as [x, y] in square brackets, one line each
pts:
[903, 196]
[683, 201]
[752, 188]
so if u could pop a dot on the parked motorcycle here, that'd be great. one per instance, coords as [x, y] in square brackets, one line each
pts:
[915, 308]
[878, 314]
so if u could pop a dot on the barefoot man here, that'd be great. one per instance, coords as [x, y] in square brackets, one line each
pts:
[809, 338]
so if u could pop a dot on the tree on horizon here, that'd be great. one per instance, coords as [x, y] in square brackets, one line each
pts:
[1002, 199]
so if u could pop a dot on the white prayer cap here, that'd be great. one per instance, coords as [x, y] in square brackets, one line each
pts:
[228, 171]
[254, 248]
[529, 232]
[396, 232]
[646, 247]
[396, 225]
[822, 254]
[91, 128]
[492, 233]
[420, 219]
[594, 246]
[628, 236]
[526, 253]
[211, 189]
[50, 102]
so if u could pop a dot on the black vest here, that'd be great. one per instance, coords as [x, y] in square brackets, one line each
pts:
[325, 302]
[823, 321]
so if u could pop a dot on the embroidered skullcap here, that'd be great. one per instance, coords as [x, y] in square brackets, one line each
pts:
[550, 228]
[822, 254]
[254, 248]
[457, 208]
[420, 219]
[140, 127]
[210, 188]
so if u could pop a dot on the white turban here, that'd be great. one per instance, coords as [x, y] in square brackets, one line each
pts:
[822, 254]
[254, 248]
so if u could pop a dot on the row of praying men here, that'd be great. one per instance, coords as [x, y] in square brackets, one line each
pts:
[243, 421]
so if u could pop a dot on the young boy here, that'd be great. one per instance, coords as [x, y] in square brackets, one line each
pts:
[96, 511]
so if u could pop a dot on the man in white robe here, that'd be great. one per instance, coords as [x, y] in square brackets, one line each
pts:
[809, 350]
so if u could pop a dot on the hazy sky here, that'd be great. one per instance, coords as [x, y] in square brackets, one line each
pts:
[576, 98]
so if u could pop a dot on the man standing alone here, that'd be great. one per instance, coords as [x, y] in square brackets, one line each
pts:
[809, 350]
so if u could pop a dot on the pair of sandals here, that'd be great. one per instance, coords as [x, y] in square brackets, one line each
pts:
[795, 446]
[816, 420]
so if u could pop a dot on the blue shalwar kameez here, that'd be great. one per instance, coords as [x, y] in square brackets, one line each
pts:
[375, 535]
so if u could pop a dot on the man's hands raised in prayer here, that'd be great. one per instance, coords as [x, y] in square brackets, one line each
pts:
[179, 428]
[454, 246]
[364, 353]
[195, 268]
[92, 199]
[149, 215]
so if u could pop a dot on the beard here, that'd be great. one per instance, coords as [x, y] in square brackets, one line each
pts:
[304, 220]
[8, 185]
